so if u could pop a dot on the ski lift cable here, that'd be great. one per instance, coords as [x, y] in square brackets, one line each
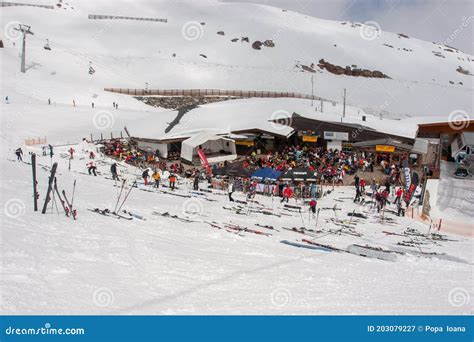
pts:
[88, 59]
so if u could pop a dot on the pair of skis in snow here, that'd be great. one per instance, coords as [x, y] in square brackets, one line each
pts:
[52, 190]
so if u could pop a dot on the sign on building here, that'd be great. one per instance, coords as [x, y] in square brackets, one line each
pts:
[309, 138]
[340, 136]
[384, 148]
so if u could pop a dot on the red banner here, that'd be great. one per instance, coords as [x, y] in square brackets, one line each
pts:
[204, 160]
[409, 193]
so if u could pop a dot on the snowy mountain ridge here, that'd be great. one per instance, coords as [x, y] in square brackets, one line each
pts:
[209, 44]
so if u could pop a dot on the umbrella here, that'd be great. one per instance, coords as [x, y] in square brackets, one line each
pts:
[300, 174]
[234, 170]
[266, 173]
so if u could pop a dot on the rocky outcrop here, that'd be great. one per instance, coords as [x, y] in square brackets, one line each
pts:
[257, 45]
[349, 71]
[175, 102]
[269, 43]
[461, 70]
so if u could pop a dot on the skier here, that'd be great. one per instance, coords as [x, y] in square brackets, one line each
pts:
[172, 180]
[145, 176]
[92, 104]
[73, 103]
[230, 191]
[51, 152]
[43, 150]
[398, 195]
[156, 177]
[49, 101]
[312, 205]
[91, 155]
[287, 193]
[7, 100]
[196, 182]
[116, 105]
[113, 170]
[92, 168]
[113, 104]
[19, 154]
[71, 153]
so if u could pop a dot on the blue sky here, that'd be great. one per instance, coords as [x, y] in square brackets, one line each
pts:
[443, 21]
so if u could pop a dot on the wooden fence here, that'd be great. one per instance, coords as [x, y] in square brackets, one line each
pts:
[98, 16]
[211, 92]
[36, 141]
[8, 3]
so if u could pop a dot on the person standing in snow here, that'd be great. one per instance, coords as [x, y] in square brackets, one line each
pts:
[398, 196]
[92, 168]
[287, 193]
[71, 153]
[73, 103]
[19, 154]
[7, 100]
[91, 155]
[401, 207]
[172, 180]
[51, 152]
[49, 101]
[92, 104]
[113, 171]
[145, 176]
[156, 177]
[43, 150]
[230, 190]
[196, 182]
[312, 205]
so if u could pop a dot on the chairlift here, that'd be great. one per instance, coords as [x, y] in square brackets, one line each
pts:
[91, 69]
[46, 46]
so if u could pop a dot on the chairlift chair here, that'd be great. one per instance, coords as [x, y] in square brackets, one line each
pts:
[46, 46]
[91, 69]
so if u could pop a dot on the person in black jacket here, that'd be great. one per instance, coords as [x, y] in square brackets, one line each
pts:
[19, 154]
[113, 170]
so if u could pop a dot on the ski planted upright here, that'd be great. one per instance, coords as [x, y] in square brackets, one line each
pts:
[63, 203]
[69, 204]
[50, 187]
[35, 182]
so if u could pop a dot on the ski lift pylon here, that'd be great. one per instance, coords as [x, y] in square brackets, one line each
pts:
[91, 69]
[46, 46]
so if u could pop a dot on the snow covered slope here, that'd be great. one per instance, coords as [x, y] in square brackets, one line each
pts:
[187, 52]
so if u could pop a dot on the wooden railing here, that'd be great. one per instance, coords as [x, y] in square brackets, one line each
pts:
[210, 92]
[8, 3]
[99, 16]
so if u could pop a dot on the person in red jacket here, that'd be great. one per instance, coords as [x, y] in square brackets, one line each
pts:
[71, 152]
[398, 195]
[312, 206]
[287, 193]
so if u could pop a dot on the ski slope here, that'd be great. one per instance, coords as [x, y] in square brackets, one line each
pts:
[129, 54]
[51, 264]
